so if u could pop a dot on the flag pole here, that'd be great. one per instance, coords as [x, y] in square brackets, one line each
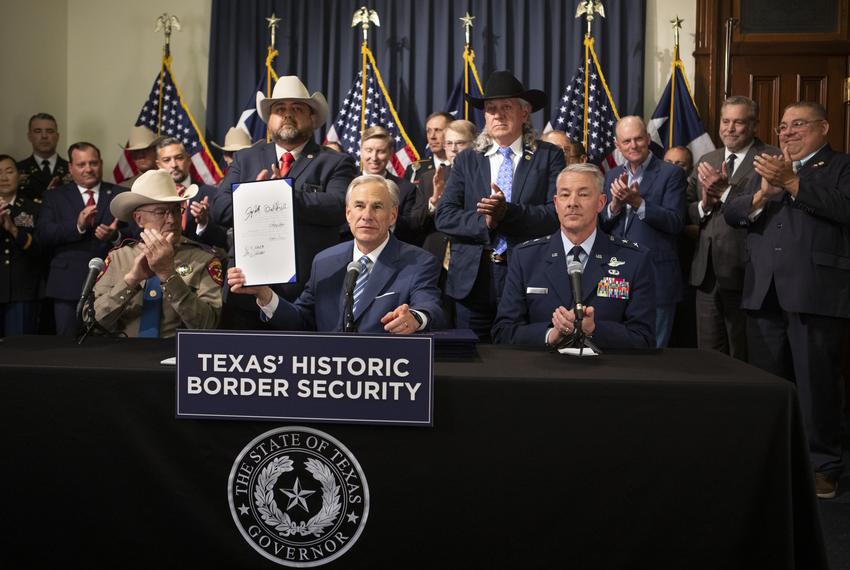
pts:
[467, 50]
[166, 23]
[271, 53]
[677, 25]
[587, 8]
[363, 17]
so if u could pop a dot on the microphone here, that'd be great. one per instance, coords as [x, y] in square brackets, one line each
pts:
[352, 273]
[95, 267]
[575, 269]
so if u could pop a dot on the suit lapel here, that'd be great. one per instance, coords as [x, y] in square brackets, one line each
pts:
[103, 202]
[311, 149]
[556, 270]
[383, 270]
[483, 163]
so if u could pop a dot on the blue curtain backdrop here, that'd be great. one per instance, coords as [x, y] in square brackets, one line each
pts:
[418, 48]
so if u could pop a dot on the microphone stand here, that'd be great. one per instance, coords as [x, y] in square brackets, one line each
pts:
[578, 340]
[89, 324]
[348, 313]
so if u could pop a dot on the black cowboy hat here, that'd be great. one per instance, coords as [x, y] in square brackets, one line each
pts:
[503, 85]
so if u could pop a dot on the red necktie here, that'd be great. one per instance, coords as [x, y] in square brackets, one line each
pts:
[90, 202]
[286, 163]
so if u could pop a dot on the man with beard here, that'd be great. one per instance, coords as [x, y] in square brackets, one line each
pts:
[319, 178]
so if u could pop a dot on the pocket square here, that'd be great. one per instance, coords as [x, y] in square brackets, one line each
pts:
[536, 291]
[386, 294]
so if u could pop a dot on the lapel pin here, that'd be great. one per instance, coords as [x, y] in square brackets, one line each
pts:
[527, 157]
[613, 272]
[309, 156]
[598, 256]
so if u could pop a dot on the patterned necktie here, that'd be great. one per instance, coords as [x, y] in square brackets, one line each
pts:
[362, 280]
[504, 180]
[730, 165]
[45, 168]
[286, 163]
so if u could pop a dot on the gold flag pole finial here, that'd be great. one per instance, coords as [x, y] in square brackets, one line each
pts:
[467, 26]
[273, 25]
[363, 17]
[587, 8]
[677, 25]
[167, 23]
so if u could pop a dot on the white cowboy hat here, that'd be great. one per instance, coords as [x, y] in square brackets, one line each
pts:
[152, 187]
[235, 139]
[289, 87]
[140, 138]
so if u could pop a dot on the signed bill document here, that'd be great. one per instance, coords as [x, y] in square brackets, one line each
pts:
[264, 231]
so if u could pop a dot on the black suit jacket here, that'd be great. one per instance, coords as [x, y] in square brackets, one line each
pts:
[34, 182]
[531, 212]
[719, 243]
[213, 234]
[320, 178]
[69, 250]
[802, 245]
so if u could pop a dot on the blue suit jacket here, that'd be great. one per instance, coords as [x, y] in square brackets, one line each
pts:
[802, 245]
[402, 274]
[538, 283]
[320, 178]
[531, 212]
[69, 250]
[663, 189]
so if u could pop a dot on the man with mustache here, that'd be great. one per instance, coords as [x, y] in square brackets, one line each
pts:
[797, 278]
[319, 177]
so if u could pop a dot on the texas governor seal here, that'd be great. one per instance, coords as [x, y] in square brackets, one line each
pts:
[298, 496]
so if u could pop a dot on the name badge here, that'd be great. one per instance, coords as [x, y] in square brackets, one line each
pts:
[536, 291]
[613, 288]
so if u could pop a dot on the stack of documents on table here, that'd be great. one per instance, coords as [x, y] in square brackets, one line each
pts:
[454, 344]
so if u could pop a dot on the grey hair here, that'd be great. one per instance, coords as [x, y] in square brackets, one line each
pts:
[168, 141]
[392, 187]
[529, 135]
[585, 168]
[752, 106]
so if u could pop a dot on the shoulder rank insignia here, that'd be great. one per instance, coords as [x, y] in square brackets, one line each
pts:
[215, 271]
[614, 262]
[184, 269]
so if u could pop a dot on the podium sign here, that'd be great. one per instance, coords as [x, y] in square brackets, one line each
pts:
[306, 377]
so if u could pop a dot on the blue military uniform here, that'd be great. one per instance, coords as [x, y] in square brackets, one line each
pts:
[617, 283]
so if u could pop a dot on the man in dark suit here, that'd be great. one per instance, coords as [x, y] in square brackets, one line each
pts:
[499, 194]
[75, 225]
[435, 157]
[797, 279]
[647, 206]
[717, 270]
[44, 169]
[376, 150]
[196, 224]
[617, 288]
[396, 290]
[319, 178]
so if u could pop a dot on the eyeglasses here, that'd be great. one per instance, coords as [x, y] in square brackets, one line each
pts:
[162, 213]
[794, 125]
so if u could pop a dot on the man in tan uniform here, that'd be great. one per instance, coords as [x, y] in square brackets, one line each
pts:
[152, 287]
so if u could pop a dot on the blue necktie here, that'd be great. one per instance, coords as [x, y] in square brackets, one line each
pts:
[362, 279]
[504, 180]
[151, 309]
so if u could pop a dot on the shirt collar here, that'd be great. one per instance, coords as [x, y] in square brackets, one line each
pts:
[51, 159]
[516, 146]
[372, 255]
[806, 158]
[83, 191]
[438, 163]
[641, 167]
[295, 152]
[186, 182]
[738, 153]
[586, 245]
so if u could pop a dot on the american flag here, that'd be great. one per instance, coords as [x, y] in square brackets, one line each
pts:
[379, 112]
[602, 115]
[176, 121]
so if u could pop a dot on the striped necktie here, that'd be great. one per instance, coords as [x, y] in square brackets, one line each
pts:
[362, 280]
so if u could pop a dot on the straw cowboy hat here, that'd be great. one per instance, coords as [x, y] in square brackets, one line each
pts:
[152, 187]
[141, 138]
[235, 139]
[289, 87]
[503, 85]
